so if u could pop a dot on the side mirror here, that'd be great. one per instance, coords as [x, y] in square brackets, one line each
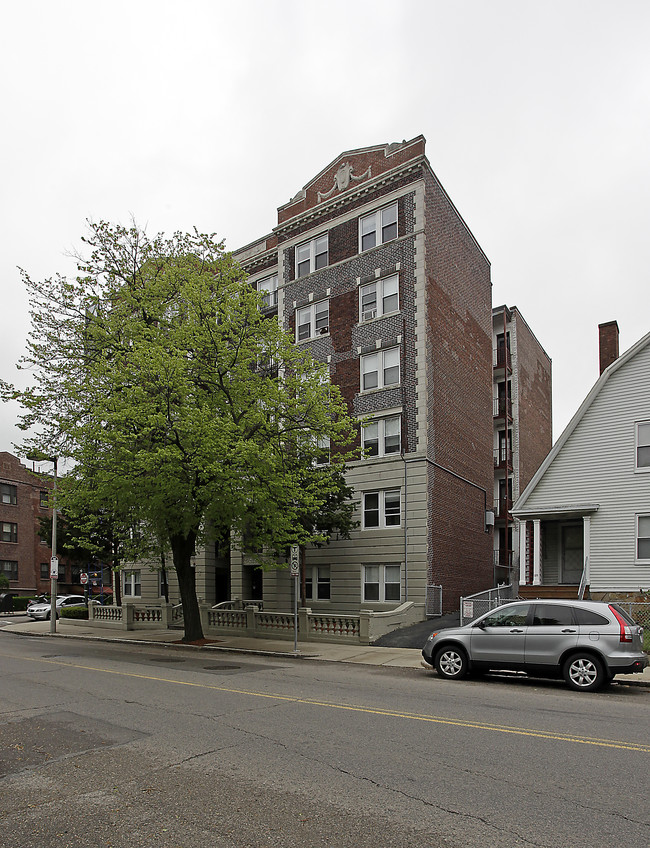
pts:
[480, 624]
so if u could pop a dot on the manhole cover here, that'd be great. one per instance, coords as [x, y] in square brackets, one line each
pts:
[221, 667]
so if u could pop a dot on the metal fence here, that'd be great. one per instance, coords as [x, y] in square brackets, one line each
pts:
[474, 605]
[434, 600]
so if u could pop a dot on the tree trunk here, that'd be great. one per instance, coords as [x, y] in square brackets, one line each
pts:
[182, 551]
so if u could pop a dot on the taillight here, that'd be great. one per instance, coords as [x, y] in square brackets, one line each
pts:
[626, 632]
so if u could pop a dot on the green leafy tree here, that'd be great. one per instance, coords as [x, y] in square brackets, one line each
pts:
[179, 405]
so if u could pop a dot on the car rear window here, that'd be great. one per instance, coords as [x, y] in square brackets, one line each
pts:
[585, 616]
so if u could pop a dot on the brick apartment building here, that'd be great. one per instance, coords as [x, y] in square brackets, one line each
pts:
[24, 556]
[372, 267]
[522, 426]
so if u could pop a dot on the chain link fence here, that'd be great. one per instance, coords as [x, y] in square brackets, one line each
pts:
[474, 605]
[640, 612]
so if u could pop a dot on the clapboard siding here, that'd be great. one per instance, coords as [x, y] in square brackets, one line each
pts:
[596, 464]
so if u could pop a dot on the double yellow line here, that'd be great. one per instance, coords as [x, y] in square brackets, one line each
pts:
[313, 702]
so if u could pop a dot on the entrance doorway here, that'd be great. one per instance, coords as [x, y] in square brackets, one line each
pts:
[572, 553]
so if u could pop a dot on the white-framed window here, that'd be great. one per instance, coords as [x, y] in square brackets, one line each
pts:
[643, 446]
[382, 436]
[643, 538]
[378, 227]
[268, 287]
[131, 583]
[8, 531]
[312, 320]
[8, 494]
[380, 369]
[382, 583]
[317, 583]
[379, 298]
[382, 509]
[312, 255]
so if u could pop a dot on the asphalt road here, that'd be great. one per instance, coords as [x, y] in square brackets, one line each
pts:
[121, 745]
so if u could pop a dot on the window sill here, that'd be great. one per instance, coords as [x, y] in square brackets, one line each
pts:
[361, 322]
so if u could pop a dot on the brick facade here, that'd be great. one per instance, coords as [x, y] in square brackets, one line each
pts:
[442, 330]
[29, 551]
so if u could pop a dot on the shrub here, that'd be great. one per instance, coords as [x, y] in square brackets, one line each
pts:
[74, 612]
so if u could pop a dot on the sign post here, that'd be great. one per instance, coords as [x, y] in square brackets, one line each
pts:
[294, 570]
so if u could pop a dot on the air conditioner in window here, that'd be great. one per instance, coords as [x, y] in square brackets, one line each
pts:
[369, 314]
[324, 330]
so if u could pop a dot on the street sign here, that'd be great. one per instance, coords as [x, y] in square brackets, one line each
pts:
[294, 561]
[54, 567]
[83, 578]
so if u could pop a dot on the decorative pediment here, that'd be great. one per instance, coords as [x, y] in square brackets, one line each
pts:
[342, 179]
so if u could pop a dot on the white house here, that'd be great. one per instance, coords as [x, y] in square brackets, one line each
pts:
[586, 512]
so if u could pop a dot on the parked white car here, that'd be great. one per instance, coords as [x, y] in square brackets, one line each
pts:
[43, 611]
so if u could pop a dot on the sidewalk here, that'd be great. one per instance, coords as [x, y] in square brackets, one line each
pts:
[323, 651]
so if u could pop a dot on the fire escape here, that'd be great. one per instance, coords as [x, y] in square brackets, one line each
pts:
[503, 462]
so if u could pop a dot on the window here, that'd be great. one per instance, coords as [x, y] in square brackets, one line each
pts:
[381, 583]
[379, 298]
[382, 436]
[512, 616]
[322, 456]
[45, 571]
[312, 320]
[379, 370]
[9, 532]
[378, 227]
[643, 446]
[9, 568]
[132, 585]
[317, 583]
[44, 501]
[382, 509]
[643, 538]
[8, 493]
[588, 617]
[552, 615]
[312, 255]
[269, 288]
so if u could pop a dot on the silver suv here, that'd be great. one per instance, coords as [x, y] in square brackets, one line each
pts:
[586, 642]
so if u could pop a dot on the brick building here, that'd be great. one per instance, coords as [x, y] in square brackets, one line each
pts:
[24, 556]
[372, 267]
[522, 426]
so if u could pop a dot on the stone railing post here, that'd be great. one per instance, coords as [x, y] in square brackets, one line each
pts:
[364, 627]
[303, 622]
[127, 616]
[204, 609]
[250, 620]
[166, 615]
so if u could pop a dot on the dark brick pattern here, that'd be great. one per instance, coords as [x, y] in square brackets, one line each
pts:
[456, 330]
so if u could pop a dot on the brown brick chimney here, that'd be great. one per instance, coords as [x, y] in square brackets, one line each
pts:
[607, 344]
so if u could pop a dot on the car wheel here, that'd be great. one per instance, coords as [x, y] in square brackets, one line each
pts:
[584, 673]
[451, 663]
[47, 617]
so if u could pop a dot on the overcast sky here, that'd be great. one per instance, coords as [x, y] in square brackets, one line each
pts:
[211, 114]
